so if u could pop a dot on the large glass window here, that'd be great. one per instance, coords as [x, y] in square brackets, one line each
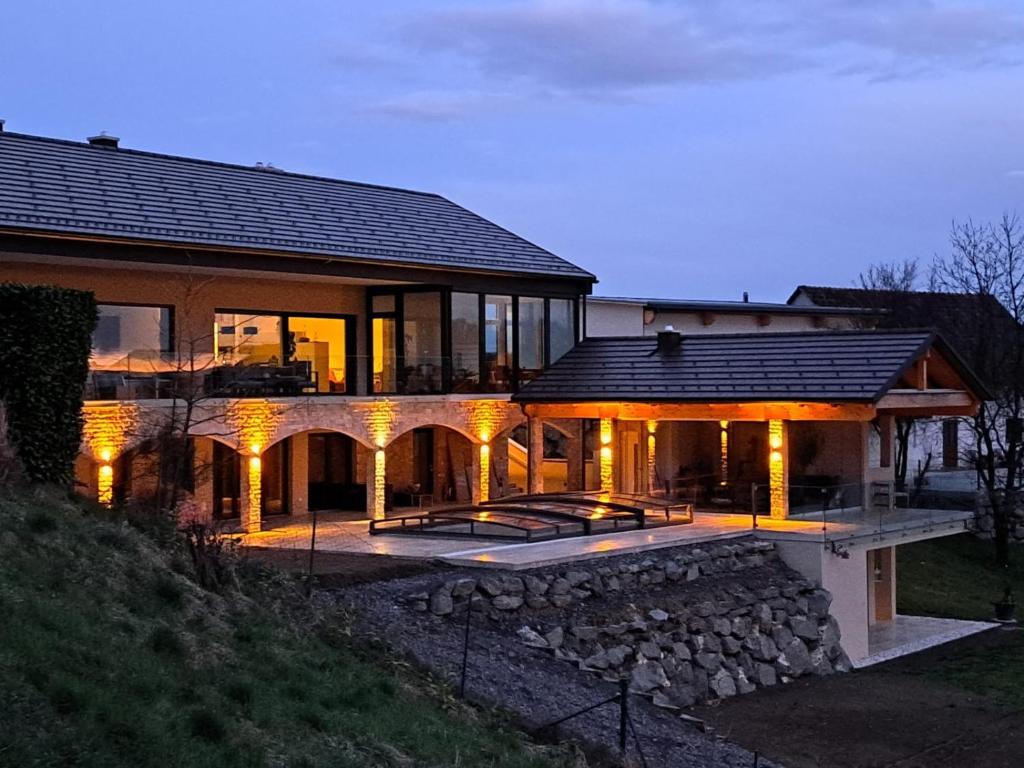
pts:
[385, 355]
[465, 342]
[132, 339]
[246, 339]
[531, 338]
[497, 343]
[318, 343]
[563, 327]
[423, 368]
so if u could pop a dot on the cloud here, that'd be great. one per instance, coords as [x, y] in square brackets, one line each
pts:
[593, 45]
[614, 49]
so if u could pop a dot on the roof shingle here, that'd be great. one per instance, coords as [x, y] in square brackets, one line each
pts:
[819, 366]
[57, 186]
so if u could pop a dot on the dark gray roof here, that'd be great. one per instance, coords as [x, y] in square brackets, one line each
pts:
[819, 366]
[748, 307]
[58, 186]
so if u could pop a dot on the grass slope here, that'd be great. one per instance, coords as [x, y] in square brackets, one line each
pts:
[956, 577]
[111, 655]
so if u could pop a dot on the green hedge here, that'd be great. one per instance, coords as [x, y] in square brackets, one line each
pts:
[45, 340]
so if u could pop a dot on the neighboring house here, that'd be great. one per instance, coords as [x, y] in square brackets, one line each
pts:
[345, 345]
[616, 316]
[966, 321]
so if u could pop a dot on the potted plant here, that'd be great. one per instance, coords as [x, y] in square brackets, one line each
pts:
[1005, 607]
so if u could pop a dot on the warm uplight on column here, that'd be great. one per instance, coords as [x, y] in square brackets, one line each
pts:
[254, 499]
[606, 455]
[652, 454]
[105, 479]
[723, 439]
[777, 470]
[379, 483]
[485, 470]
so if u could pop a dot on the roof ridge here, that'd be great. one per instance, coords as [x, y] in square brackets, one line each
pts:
[221, 164]
[889, 291]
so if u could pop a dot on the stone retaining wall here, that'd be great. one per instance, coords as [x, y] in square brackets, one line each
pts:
[984, 525]
[684, 625]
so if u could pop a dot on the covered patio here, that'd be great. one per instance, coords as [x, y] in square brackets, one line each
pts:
[779, 425]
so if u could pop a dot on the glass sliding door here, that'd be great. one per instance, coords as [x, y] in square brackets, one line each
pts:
[497, 373]
[465, 342]
[531, 338]
[243, 339]
[423, 363]
[319, 346]
[384, 335]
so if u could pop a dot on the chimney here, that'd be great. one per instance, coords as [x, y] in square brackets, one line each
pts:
[2, 121]
[746, 297]
[103, 140]
[668, 340]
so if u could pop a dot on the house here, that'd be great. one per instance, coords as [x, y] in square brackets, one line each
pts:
[331, 345]
[338, 345]
[967, 321]
[620, 316]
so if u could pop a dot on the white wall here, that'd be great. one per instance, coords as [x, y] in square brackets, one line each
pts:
[845, 578]
[619, 319]
[622, 318]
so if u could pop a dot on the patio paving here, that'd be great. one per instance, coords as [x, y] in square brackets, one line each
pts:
[910, 634]
[340, 532]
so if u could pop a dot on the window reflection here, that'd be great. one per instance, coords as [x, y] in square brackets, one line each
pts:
[131, 338]
[421, 327]
[563, 327]
[498, 343]
[531, 338]
[465, 342]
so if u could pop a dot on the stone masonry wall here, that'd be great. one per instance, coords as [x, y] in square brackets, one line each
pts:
[684, 625]
[984, 525]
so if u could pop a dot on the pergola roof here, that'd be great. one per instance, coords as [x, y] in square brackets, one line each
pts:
[815, 367]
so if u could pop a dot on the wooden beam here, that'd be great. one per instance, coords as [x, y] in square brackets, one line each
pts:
[931, 402]
[792, 411]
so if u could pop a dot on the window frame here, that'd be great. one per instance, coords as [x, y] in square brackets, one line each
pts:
[351, 336]
[172, 339]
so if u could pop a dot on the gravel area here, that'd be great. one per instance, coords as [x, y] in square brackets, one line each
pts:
[530, 683]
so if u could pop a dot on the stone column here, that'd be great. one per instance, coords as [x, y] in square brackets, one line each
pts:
[477, 491]
[606, 454]
[251, 494]
[574, 456]
[652, 457]
[298, 475]
[202, 469]
[535, 455]
[376, 484]
[778, 467]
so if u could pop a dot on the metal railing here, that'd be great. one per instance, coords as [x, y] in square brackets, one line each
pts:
[833, 512]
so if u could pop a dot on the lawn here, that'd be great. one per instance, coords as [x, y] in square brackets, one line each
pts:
[954, 577]
[112, 655]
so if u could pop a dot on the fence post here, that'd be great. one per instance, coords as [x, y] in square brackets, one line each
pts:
[623, 713]
[312, 550]
[465, 647]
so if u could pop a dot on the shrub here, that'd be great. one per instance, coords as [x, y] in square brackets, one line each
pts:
[45, 341]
